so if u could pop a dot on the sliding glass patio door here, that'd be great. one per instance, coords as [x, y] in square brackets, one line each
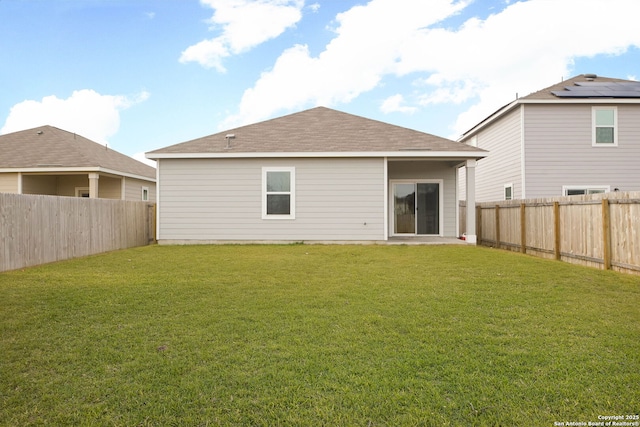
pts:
[416, 208]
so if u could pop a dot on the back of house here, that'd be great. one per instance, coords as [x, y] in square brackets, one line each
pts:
[316, 175]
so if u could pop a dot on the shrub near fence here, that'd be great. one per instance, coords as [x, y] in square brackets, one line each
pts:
[40, 229]
[598, 230]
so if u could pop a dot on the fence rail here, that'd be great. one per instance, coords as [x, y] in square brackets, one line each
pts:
[598, 230]
[40, 229]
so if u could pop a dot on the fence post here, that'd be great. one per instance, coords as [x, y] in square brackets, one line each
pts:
[556, 230]
[606, 235]
[523, 229]
[498, 226]
[478, 224]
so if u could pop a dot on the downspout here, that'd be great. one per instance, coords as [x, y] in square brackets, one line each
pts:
[157, 210]
[386, 198]
[522, 154]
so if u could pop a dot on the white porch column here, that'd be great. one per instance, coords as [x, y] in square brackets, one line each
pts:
[93, 185]
[471, 201]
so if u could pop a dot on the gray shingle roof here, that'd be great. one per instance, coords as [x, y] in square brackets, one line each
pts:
[318, 130]
[53, 148]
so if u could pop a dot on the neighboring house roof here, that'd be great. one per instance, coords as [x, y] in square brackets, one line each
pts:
[579, 89]
[317, 132]
[47, 148]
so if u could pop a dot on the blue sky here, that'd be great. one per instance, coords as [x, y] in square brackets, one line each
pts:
[144, 74]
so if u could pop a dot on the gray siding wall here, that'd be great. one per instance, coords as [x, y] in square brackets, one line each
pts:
[214, 199]
[559, 150]
[416, 170]
[502, 165]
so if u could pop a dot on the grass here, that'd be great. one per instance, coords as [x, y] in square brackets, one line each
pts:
[317, 335]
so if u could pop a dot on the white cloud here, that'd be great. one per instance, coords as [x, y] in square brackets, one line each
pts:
[394, 103]
[85, 112]
[454, 93]
[524, 47]
[245, 24]
[366, 47]
[141, 158]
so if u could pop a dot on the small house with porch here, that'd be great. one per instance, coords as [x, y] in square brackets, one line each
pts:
[51, 161]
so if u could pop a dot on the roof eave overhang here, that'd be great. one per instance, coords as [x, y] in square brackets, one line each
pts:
[507, 108]
[420, 154]
[51, 170]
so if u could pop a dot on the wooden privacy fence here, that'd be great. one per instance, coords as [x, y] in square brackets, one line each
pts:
[40, 229]
[598, 230]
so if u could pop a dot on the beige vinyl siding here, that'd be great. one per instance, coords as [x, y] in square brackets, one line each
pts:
[133, 189]
[67, 184]
[221, 199]
[503, 165]
[39, 184]
[110, 187]
[559, 150]
[417, 170]
[9, 182]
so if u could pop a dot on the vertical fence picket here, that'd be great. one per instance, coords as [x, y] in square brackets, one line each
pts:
[601, 230]
[38, 229]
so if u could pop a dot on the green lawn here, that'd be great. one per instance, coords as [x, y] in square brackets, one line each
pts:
[317, 335]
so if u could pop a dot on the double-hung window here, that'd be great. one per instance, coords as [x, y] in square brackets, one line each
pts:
[278, 193]
[604, 126]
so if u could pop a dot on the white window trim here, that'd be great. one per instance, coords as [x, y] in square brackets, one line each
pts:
[80, 190]
[142, 194]
[391, 206]
[504, 192]
[593, 127]
[566, 188]
[291, 192]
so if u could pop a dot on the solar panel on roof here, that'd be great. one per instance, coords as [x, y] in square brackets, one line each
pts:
[600, 90]
[627, 94]
[587, 84]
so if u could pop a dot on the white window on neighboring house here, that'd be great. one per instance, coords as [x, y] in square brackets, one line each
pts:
[574, 190]
[605, 126]
[278, 193]
[508, 191]
[82, 191]
[145, 193]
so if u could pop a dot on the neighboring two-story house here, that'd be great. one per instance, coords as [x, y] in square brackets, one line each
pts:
[51, 161]
[579, 136]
